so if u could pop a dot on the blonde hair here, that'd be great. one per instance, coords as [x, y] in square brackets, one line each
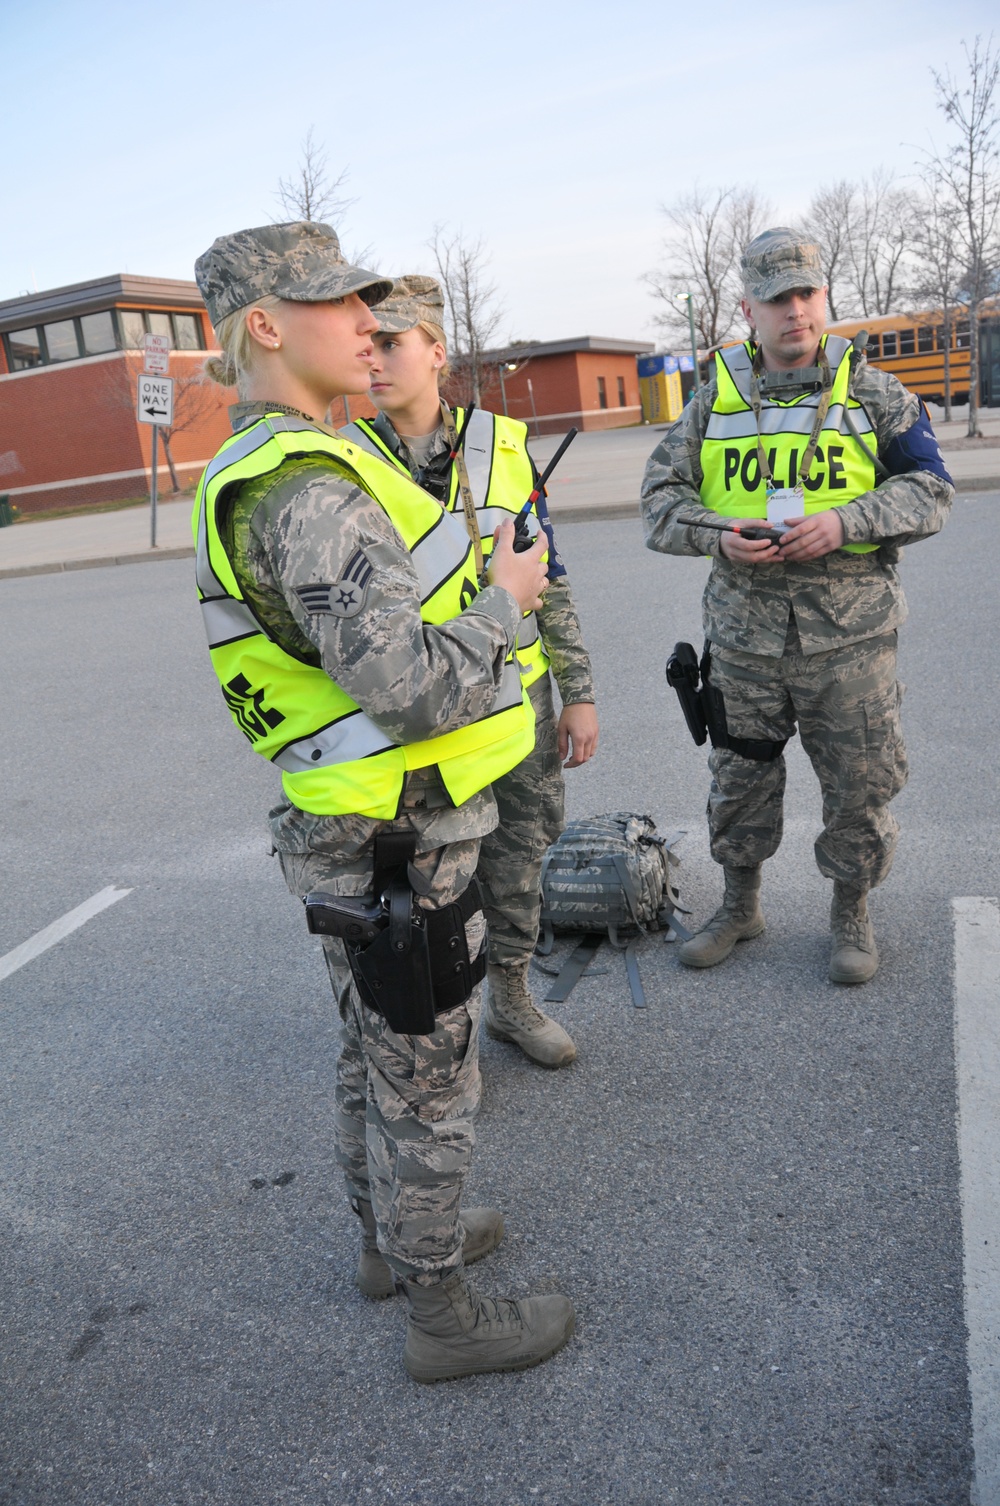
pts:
[235, 366]
[435, 334]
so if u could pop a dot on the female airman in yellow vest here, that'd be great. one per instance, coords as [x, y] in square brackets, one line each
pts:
[359, 653]
[477, 465]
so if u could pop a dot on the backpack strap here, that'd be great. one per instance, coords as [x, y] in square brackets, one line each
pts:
[574, 967]
[628, 888]
[632, 968]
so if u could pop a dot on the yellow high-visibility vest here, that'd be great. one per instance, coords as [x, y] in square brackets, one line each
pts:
[501, 480]
[333, 759]
[732, 483]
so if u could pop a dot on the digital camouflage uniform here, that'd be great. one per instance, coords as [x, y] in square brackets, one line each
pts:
[531, 797]
[405, 1106]
[809, 643]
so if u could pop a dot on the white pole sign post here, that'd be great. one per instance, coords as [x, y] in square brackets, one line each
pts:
[155, 406]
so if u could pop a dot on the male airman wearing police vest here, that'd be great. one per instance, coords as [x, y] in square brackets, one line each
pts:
[795, 429]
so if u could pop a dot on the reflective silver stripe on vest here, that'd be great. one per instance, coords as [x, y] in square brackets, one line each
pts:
[355, 434]
[736, 360]
[490, 518]
[226, 619]
[440, 552]
[207, 581]
[355, 736]
[527, 633]
[352, 736]
[478, 450]
[780, 420]
[510, 689]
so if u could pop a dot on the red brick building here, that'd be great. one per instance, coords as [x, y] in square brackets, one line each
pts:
[69, 358]
[551, 385]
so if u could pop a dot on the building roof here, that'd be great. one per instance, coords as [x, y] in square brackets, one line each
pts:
[596, 343]
[101, 293]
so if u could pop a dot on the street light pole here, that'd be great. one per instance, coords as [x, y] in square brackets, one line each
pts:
[694, 343]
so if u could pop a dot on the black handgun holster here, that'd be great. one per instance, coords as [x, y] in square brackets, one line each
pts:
[418, 966]
[705, 710]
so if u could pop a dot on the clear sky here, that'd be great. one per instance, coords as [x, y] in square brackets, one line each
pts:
[138, 132]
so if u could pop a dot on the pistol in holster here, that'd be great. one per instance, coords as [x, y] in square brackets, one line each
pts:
[705, 710]
[702, 704]
[409, 964]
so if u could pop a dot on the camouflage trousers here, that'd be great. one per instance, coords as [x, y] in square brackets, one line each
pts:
[531, 801]
[846, 705]
[405, 1106]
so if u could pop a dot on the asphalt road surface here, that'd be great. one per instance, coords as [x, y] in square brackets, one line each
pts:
[750, 1190]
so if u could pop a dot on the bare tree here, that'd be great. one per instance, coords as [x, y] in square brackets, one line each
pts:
[311, 193]
[969, 170]
[473, 312]
[937, 262]
[830, 220]
[880, 236]
[708, 231]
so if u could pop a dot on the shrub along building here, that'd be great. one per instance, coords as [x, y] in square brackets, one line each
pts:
[69, 359]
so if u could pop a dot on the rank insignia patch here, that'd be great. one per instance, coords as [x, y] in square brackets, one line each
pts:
[346, 597]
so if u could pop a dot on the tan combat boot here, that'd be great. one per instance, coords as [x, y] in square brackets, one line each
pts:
[854, 958]
[482, 1231]
[452, 1331]
[738, 918]
[510, 1015]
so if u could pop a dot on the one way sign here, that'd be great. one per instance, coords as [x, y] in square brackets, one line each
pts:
[156, 400]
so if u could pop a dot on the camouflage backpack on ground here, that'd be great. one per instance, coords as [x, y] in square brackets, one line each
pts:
[607, 876]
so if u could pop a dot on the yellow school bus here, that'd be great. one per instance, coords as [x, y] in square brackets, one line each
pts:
[912, 347]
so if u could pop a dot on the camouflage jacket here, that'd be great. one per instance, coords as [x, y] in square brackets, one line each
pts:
[558, 622]
[833, 601]
[301, 525]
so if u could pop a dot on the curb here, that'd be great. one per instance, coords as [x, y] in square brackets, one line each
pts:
[603, 512]
[59, 567]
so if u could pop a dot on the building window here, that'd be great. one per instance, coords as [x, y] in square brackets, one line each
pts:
[98, 333]
[182, 330]
[133, 328]
[872, 348]
[621, 392]
[602, 393]
[888, 345]
[187, 332]
[24, 349]
[61, 342]
[159, 324]
[906, 342]
[925, 340]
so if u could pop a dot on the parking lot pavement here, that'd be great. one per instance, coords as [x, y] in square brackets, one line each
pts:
[751, 1190]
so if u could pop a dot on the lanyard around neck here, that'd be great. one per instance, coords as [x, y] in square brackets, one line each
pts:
[822, 409]
[461, 471]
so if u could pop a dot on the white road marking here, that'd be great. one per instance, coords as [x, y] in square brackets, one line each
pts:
[59, 929]
[977, 1057]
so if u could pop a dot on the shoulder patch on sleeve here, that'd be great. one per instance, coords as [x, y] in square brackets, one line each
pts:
[346, 597]
[916, 450]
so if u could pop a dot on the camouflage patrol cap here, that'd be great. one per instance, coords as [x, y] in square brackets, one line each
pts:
[414, 300]
[301, 261]
[777, 261]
